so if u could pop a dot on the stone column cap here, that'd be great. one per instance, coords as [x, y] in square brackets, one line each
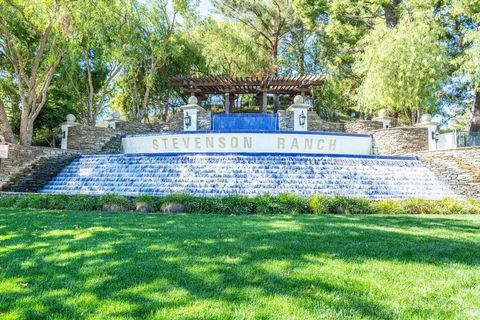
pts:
[382, 118]
[426, 124]
[301, 106]
[69, 124]
[192, 107]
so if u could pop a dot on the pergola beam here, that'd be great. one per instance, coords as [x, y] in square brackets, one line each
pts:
[231, 86]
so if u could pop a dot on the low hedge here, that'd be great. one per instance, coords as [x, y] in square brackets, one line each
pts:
[240, 205]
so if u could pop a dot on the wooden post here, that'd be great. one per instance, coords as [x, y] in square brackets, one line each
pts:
[232, 101]
[227, 102]
[276, 102]
[264, 102]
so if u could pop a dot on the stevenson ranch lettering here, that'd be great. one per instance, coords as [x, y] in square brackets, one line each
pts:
[249, 143]
[202, 143]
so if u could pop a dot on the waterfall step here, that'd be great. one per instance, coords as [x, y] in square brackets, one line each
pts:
[253, 174]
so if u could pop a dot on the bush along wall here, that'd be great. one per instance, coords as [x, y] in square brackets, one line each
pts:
[240, 205]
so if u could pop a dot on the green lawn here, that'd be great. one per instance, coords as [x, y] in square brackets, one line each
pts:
[77, 265]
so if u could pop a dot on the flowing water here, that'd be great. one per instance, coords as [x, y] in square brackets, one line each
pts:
[253, 174]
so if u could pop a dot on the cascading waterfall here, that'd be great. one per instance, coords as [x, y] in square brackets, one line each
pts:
[373, 177]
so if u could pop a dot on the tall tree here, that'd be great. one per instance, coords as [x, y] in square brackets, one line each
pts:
[151, 39]
[228, 48]
[270, 20]
[101, 30]
[32, 37]
[402, 68]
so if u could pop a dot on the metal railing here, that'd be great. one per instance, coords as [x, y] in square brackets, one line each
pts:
[468, 139]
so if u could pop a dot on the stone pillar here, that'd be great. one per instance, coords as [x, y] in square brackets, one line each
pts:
[382, 117]
[190, 114]
[426, 122]
[70, 123]
[300, 114]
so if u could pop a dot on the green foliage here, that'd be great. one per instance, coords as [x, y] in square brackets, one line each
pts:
[402, 68]
[117, 200]
[241, 205]
[83, 203]
[8, 201]
[41, 201]
[419, 206]
[339, 205]
[387, 206]
[229, 49]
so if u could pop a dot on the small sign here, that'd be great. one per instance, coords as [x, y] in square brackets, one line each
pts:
[3, 150]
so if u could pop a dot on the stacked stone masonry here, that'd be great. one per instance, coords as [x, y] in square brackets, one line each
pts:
[363, 126]
[315, 123]
[23, 161]
[88, 139]
[460, 168]
[400, 141]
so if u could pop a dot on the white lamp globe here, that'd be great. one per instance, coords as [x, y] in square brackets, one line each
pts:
[71, 118]
[298, 100]
[425, 118]
[192, 100]
[116, 115]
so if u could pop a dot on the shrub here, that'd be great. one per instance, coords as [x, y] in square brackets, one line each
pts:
[339, 205]
[318, 204]
[470, 206]
[8, 201]
[419, 206]
[83, 203]
[292, 203]
[241, 205]
[33, 201]
[450, 206]
[151, 203]
[113, 202]
[387, 206]
[265, 204]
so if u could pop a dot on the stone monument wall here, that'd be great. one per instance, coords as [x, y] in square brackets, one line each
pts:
[363, 126]
[89, 139]
[31, 167]
[315, 123]
[400, 141]
[460, 168]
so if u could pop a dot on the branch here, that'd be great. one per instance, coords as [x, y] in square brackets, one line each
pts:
[111, 76]
[44, 90]
[38, 59]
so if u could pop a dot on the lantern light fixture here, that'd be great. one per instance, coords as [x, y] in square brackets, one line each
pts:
[301, 119]
[187, 120]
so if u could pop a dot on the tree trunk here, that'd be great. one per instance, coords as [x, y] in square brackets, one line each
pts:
[26, 131]
[390, 13]
[5, 126]
[475, 117]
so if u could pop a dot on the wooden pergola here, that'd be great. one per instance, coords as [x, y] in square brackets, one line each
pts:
[261, 86]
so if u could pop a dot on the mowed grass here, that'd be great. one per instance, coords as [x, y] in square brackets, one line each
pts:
[91, 265]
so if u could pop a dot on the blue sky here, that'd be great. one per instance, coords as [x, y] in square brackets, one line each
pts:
[205, 7]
